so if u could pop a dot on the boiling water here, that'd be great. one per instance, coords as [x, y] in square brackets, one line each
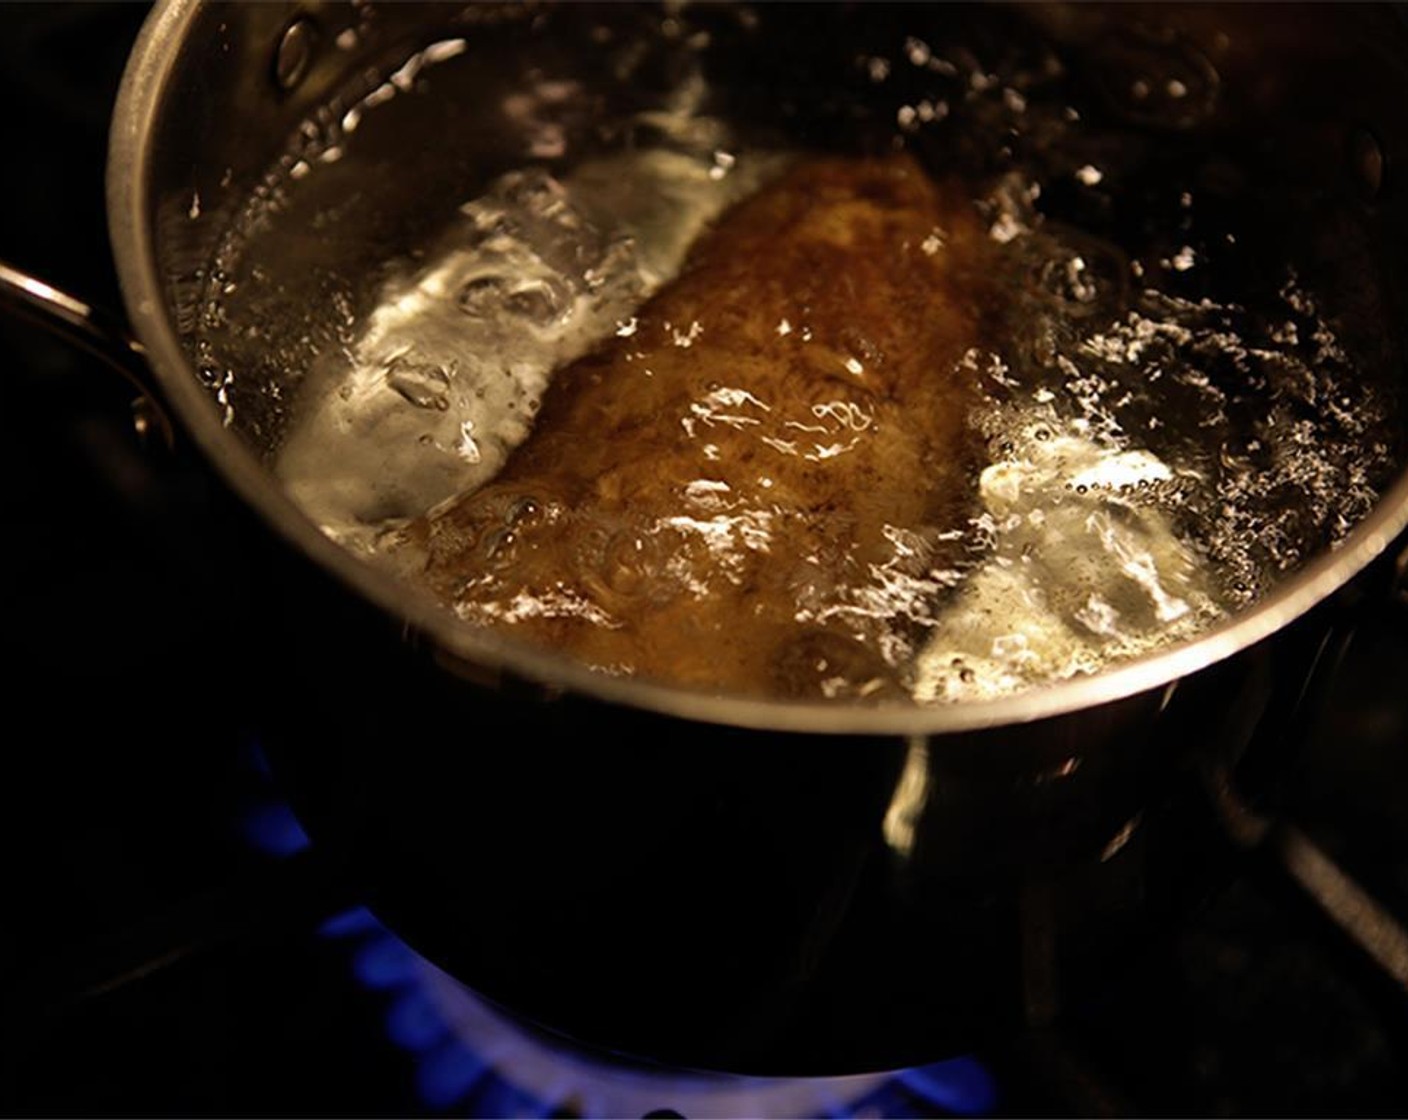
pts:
[1173, 414]
[445, 375]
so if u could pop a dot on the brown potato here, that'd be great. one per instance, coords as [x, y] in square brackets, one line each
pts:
[750, 490]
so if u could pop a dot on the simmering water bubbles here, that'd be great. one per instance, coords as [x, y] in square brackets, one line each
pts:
[1081, 565]
[1173, 414]
[1171, 430]
[463, 338]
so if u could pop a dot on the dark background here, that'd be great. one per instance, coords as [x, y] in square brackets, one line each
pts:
[132, 619]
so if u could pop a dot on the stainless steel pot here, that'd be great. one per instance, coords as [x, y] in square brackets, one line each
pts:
[735, 882]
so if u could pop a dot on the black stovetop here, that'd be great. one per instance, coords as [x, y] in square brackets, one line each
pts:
[134, 786]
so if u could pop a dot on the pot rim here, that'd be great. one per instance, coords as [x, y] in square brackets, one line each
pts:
[146, 86]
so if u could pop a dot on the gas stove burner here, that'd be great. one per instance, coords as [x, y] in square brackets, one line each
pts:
[475, 1060]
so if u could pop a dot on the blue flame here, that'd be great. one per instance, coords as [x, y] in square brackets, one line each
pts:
[496, 1097]
[384, 961]
[349, 923]
[271, 828]
[447, 1073]
[413, 1022]
[269, 825]
[451, 1075]
[960, 1085]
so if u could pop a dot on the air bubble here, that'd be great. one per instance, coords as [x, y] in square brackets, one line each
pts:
[629, 563]
[486, 297]
[536, 192]
[535, 300]
[1086, 275]
[1156, 80]
[521, 510]
[498, 546]
[483, 296]
[488, 230]
[423, 384]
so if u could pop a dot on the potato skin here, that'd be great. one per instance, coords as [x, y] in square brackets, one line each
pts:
[745, 493]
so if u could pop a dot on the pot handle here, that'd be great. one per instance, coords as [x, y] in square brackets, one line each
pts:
[94, 331]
